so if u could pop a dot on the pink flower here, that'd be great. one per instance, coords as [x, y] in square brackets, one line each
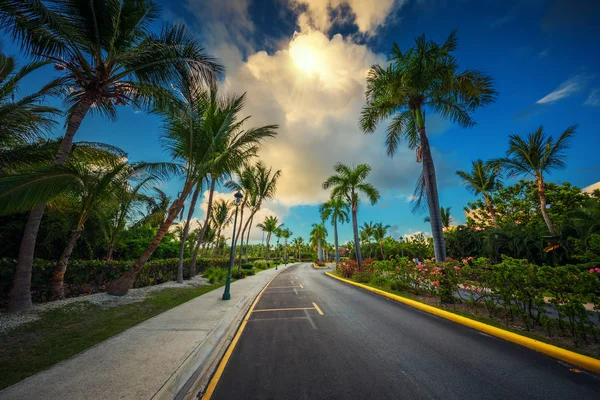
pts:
[470, 258]
[419, 263]
[465, 262]
[456, 267]
[592, 271]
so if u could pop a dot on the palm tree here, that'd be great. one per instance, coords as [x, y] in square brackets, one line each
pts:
[89, 185]
[286, 234]
[106, 61]
[424, 76]
[278, 234]
[245, 184]
[337, 210]
[484, 179]
[297, 243]
[379, 232]
[24, 119]
[367, 232]
[263, 188]
[270, 225]
[347, 185]
[536, 155]
[446, 218]
[318, 235]
[220, 218]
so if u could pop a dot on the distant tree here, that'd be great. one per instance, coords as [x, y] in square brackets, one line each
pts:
[270, 225]
[379, 232]
[483, 179]
[335, 209]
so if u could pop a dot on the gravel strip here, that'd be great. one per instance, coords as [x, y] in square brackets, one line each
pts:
[10, 321]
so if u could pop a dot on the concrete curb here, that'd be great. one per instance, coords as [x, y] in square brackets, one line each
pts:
[194, 374]
[588, 363]
[317, 267]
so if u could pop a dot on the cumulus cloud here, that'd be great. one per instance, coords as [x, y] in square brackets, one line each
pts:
[368, 14]
[567, 88]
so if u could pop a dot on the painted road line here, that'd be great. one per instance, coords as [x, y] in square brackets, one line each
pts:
[212, 385]
[284, 309]
[302, 287]
[589, 363]
[317, 308]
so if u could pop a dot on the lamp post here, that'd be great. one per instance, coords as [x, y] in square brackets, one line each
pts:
[238, 200]
[401, 248]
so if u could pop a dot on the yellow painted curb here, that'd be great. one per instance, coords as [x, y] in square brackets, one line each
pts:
[212, 385]
[589, 363]
[316, 266]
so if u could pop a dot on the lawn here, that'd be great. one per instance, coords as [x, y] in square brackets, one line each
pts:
[63, 332]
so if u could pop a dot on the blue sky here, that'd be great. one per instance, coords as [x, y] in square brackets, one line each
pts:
[302, 64]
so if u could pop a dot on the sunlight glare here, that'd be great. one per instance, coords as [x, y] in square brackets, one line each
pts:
[304, 57]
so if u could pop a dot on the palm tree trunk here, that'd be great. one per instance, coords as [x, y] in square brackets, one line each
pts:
[19, 298]
[435, 214]
[109, 252]
[491, 210]
[356, 239]
[248, 236]
[319, 251]
[203, 231]
[381, 248]
[267, 248]
[186, 229]
[121, 286]
[58, 273]
[285, 251]
[542, 196]
[240, 234]
[216, 249]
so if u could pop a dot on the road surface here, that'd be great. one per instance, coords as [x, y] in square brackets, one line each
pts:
[365, 346]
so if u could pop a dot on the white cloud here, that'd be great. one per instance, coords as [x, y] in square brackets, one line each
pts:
[593, 98]
[568, 88]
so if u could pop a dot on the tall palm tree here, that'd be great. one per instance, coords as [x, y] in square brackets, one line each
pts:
[106, 61]
[348, 184]
[270, 225]
[245, 184]
[425, 76]
[285, 234]
[318, 235]
[336, 209]
[221, 218]
[263, 189]
[367, 232]
[535, 155]
[278, 234]
[379, 232]
[23, 119]
[298, 242]
[446, 218]
[484, 179]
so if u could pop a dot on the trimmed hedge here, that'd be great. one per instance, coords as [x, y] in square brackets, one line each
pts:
[92, 276]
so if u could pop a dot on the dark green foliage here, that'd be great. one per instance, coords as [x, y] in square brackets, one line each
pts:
[247, 266]
[215, 274]
[238, 273]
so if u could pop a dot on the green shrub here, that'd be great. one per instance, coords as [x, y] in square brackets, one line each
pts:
[215, 274]
[260, 264]
[238, 273]
[250, 272]
[247, 266]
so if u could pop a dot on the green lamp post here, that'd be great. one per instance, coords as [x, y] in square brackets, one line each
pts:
[238, 200]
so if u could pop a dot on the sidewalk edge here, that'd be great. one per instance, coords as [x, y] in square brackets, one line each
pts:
[588, 363]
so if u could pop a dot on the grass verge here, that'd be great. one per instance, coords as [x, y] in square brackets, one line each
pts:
[63, 332]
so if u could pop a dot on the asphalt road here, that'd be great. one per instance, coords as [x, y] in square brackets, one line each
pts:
[368, 347]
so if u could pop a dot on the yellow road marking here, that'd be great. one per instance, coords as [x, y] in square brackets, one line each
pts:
[301, 286]
[215, 379]
[317, 308]
[284, 309]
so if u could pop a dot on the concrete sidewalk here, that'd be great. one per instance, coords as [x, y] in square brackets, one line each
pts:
[164, 357]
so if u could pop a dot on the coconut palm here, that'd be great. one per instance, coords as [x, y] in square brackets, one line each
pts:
[535, 155]
[285, 234]
[298, 242]
[105, 61]
[270, 225]
[245, 184]
[446, 218]
[318, 235]
[483, 179]
[348, 184]
[423, 77]
[336, 209]
[379, 232]
[367, 232]
[23, 119]
[278, 234]
[263, 188]
[221, 218]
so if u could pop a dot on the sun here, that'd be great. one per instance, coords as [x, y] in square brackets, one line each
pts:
[304, 57]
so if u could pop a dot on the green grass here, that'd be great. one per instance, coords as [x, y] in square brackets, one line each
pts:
[63, 332]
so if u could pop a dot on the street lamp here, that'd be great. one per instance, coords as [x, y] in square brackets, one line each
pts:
[238, 200]
[401, 248]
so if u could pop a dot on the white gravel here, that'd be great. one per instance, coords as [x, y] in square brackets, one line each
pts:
[10, 321]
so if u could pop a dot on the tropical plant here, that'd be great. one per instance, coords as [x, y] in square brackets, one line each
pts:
[446, 218]
[285, 234]
[270, 225]
[106, 61]
[23, 119]
[278, 234]
[298, 242]
[220, 219]
[534, 156]
[379, 232]
[335, 209]
[245, 184]
[318, 235]
[367, 232]
[483, 179]
[424, 76]
[348, 184]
